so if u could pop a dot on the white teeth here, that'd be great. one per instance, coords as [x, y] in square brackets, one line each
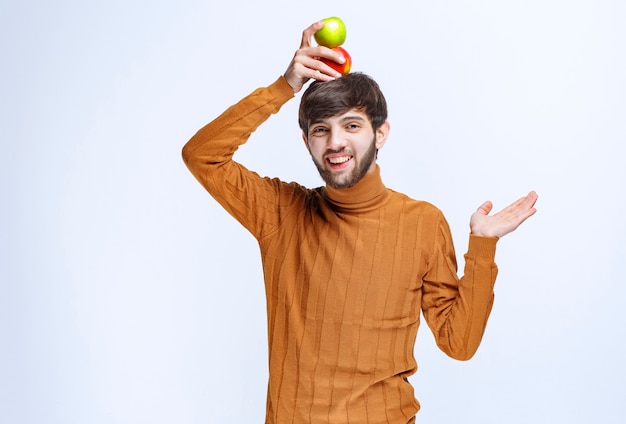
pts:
[337, 160]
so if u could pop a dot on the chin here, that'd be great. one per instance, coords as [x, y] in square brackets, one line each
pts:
[346, 181]
[337, 185]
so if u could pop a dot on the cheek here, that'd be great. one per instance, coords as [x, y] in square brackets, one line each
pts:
[315, 149]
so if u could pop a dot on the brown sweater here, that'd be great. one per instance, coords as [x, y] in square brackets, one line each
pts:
[346, 274]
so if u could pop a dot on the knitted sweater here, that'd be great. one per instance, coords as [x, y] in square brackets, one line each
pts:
[347, 272]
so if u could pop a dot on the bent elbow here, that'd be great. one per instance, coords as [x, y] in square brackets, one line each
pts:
[462, 356]
[459, 351]
[187, 154]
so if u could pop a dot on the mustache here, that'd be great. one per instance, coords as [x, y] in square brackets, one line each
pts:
[336, 151]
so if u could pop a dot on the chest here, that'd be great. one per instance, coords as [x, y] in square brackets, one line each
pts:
[345, 267]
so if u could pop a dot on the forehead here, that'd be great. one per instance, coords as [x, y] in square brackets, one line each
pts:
[350, 115]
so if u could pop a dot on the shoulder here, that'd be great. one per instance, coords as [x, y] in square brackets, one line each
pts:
[291, 192]
[412, 205]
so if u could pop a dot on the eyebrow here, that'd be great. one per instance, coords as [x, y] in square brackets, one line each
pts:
[344, 119]
[352, 118]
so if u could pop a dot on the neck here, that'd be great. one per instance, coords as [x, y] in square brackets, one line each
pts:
[367, 194]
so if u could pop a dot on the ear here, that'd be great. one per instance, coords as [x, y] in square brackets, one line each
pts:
[382, 133]
[306, 141]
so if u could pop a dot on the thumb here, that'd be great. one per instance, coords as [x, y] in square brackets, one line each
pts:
[485, 208]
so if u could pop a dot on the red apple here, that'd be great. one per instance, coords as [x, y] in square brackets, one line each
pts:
[344, 67]
[332, 34]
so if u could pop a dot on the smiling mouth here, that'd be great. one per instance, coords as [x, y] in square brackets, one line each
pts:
[338, 160]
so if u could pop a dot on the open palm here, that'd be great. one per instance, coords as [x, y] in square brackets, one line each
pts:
[505, 221]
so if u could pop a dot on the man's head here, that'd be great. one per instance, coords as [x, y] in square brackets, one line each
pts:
[344, 123]
[351, 91]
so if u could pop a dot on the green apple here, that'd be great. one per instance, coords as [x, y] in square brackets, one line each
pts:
[332, 34]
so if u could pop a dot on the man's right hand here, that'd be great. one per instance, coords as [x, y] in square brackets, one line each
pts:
[306, 63]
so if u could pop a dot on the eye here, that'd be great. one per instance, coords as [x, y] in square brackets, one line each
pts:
[318, 131]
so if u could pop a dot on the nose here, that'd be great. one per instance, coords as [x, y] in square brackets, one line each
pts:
[336, 140]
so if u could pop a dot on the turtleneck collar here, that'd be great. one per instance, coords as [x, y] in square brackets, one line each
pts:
[366, 195]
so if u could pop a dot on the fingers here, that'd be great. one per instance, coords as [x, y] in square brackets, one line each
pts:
[520, 210]
[310, 59]
[527, 201]
[308, 33]
[524, 206]
[531, 198]
[530, 201]
[306, 63]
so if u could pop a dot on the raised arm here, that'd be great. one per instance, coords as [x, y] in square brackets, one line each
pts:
[457, 310]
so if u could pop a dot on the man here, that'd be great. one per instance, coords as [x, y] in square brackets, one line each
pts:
[347, 266]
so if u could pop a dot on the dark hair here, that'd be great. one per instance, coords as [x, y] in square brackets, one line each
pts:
[351, 91]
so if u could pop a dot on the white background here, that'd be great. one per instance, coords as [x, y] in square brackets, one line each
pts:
[128, 296]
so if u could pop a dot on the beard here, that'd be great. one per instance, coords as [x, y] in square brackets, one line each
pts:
[360, 169]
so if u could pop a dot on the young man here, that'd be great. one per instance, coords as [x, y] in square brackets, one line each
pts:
[347, 266]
